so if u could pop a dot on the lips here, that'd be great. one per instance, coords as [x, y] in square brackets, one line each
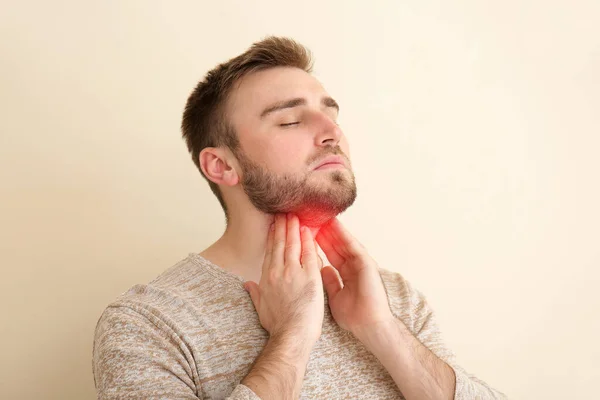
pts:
[331, 160]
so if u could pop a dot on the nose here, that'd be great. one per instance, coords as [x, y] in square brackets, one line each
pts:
[328, 132]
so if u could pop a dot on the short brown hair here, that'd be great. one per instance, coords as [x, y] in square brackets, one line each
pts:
[204, 122]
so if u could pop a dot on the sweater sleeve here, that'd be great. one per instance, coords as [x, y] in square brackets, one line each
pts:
[137, 355]
[426, 330]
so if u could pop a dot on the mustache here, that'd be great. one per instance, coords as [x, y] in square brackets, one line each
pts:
[336, 151]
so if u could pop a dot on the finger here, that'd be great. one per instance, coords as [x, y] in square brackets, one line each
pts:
[293, 245]
[338, 245]
[268, 250]
[336, 248]
[309, 252]
[325, 241]
[278, 243]
[343, 240]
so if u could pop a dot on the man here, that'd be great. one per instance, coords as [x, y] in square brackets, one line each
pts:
[263, 132]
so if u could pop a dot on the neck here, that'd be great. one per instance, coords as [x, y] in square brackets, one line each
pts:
[241, 249]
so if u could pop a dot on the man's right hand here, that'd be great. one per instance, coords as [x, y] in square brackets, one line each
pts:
[289, 299]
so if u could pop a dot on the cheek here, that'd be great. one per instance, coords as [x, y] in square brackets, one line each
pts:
[289, 156]
[283, 158]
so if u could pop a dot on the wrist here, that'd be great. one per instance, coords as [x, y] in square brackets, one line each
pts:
[294, 344]
[376, 332]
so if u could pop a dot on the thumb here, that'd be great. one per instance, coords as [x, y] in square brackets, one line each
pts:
[331, 281]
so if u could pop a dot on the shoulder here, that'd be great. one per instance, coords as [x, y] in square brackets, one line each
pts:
[407, 303]
[159, 302]
[142, 309]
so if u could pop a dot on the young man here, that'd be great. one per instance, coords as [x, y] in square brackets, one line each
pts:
[255, 315]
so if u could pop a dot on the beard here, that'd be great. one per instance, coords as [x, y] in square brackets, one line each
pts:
[314, 199]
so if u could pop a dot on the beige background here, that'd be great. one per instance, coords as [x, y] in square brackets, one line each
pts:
[474, 132]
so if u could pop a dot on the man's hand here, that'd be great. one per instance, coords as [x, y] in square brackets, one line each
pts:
[289, 298]
[360, 300]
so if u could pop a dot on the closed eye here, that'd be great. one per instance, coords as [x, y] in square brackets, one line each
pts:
[290, 124]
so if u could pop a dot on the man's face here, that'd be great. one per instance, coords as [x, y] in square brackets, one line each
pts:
[280, 148]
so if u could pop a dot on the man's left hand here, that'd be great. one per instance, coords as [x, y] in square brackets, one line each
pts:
[359, 302]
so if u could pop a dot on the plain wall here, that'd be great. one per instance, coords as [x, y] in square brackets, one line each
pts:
[474, 135]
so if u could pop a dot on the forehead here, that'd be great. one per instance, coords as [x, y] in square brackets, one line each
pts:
[259, 89]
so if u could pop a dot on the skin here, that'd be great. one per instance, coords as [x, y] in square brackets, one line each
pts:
[273, 177]
[273, 172]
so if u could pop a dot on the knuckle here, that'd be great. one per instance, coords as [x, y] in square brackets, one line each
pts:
[307, 259]
[289, 246]
[288, 275]
[272, 277]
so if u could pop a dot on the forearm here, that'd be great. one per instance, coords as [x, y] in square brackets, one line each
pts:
[417, 372]
[279, 370]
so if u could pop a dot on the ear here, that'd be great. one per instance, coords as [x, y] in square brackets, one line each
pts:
[218, 166]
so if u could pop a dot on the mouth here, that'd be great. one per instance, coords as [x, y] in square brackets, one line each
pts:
[330, 166]
[331, 162]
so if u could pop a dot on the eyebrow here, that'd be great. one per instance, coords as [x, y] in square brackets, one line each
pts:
[298, 101]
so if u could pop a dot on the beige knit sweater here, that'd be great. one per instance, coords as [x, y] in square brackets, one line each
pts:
[193, 333]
